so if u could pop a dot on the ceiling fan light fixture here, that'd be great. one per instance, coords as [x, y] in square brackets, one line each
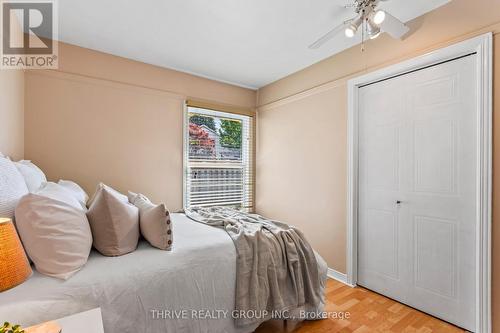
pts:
[350, 32]
[379, 17]
[372, 22]
[372, 29]
[376, 35]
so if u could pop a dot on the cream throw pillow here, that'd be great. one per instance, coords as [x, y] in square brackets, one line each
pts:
[114, 222]
[154, 221]
[54, 230]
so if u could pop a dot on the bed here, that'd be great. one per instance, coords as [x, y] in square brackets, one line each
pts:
[135, 291]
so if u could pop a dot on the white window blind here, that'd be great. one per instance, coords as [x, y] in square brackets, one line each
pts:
[218, 159]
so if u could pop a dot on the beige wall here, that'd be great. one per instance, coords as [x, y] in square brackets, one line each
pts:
[105, 118]
[305, 184]
[307, 111]
[12, 113]
[12, 110]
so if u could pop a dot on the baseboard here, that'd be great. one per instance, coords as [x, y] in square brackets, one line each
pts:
[341, 277]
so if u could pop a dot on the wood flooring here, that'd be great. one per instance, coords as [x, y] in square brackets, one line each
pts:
[368, 312]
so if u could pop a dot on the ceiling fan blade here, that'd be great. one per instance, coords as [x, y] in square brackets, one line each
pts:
[394, 27]
[329, 35]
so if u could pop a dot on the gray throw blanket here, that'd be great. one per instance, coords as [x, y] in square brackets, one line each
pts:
[276, 268]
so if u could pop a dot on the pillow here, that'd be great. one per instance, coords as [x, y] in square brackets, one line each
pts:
[33, 176]
[54, 230]
[154, 221]
[12, 187]
[114, 222]
[77, 192]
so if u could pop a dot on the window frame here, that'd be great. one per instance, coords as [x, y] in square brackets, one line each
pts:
[237, 112]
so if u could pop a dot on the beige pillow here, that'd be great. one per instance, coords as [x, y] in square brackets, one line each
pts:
[114, 222]
[54, 230]
[154, 221]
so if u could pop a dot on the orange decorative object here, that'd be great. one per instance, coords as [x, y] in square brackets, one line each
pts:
[14, 265]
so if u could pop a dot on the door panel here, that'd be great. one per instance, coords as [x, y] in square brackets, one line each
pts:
[382, 156]
[418, 145]
[383, 258]
[435, 255]
[435, 141]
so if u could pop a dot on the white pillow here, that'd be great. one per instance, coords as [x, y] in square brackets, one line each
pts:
[33, 176]
[57, 192]
[76, 191]
[54, 230]
[12, 187]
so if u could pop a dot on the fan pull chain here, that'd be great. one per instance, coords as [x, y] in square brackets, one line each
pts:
[363, 31]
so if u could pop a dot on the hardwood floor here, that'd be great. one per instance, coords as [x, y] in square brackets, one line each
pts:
[369, 312]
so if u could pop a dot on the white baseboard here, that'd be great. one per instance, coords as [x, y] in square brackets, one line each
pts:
[341, 277]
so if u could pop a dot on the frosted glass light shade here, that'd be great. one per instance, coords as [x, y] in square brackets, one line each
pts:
[379, 17]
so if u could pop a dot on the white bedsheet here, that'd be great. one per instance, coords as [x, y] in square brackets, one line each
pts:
[198, 274]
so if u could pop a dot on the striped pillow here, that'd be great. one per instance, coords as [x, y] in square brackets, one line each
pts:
[12, 187]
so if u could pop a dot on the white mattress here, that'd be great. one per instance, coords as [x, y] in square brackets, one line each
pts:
[198, 274]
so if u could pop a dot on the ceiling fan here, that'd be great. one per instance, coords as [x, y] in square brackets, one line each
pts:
[371, 20]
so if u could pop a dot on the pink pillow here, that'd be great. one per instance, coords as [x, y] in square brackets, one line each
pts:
[54, 230]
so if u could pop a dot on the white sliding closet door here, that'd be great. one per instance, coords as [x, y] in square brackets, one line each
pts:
[417, 217]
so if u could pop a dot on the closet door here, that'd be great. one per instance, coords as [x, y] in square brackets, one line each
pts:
[417, 189]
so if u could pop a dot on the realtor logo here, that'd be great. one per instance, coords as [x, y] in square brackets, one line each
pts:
[29, 34]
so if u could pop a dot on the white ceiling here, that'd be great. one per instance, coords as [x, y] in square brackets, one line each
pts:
[249, 43]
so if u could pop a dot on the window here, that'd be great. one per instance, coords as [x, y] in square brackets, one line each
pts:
[218, 158]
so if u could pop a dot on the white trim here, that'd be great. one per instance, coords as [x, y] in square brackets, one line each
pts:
[185, 152]
[336, 275]
[482, 45]
[485, 105]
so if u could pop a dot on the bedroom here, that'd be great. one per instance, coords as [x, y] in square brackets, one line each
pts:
[139, 97]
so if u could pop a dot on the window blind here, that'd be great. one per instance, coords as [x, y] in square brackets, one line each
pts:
[218, 159]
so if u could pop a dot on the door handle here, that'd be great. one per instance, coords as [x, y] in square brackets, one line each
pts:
[398, 202]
